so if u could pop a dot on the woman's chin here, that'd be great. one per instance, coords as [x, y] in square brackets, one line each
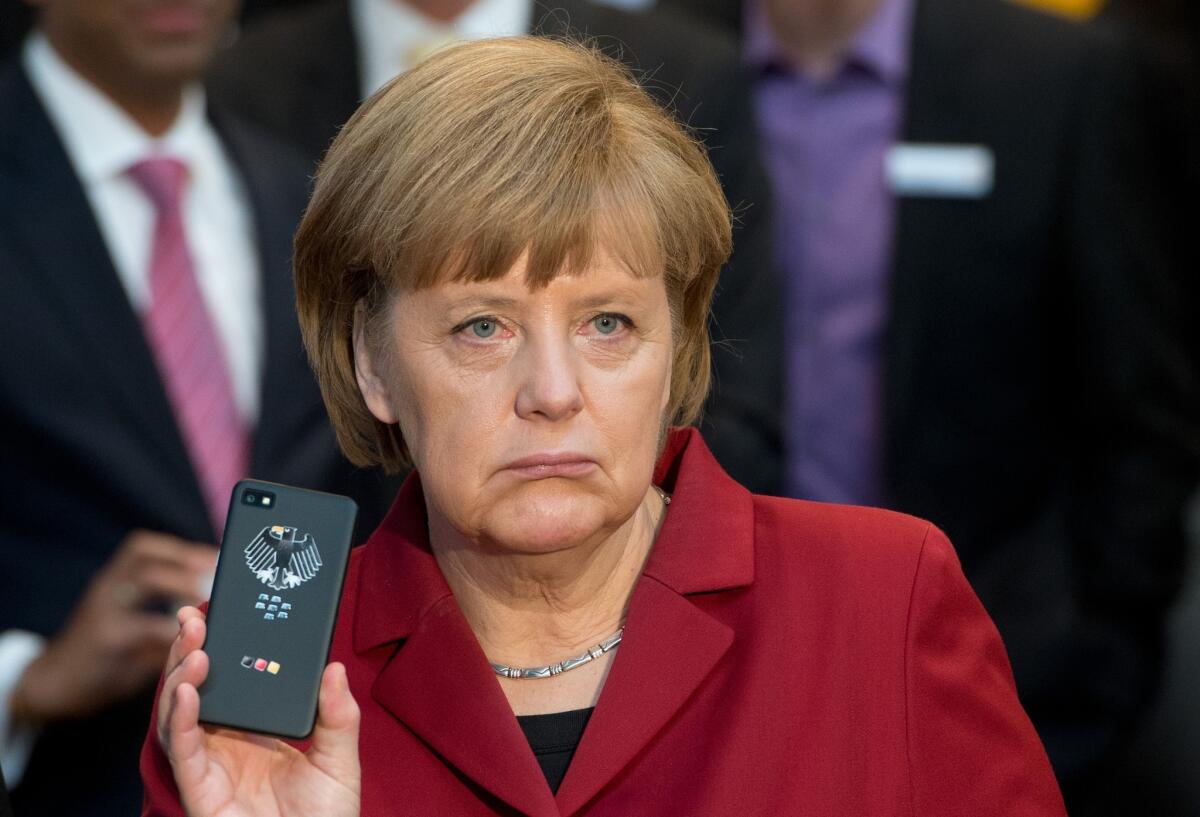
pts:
[550, 524]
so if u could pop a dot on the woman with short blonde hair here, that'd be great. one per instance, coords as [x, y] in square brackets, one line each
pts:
[564, 157]
[503, 280]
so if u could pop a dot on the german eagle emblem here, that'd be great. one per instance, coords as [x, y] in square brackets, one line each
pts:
[282, 557]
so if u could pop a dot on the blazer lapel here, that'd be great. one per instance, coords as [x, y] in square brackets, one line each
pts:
[55, 224]
[671, 645]
[438, 683]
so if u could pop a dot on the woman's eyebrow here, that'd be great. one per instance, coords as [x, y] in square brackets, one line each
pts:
[607, 298]
[623, 296]
[483, 302]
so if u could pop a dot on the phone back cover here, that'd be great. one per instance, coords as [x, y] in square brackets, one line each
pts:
[275, 600]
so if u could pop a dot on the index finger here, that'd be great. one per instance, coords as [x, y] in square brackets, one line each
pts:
[192, 669]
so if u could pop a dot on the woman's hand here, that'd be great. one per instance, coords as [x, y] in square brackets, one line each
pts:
[226, 773]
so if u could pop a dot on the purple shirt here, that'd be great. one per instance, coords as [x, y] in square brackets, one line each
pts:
[824, 143]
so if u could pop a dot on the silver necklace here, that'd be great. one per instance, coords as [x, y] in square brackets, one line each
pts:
[607, 645]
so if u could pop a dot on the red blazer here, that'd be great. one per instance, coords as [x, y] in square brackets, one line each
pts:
[780, 657]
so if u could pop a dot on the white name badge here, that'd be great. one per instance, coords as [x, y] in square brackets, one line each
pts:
[941, 171]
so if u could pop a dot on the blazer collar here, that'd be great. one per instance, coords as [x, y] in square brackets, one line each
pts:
[399, 580]
[707, 538]
[438, 683]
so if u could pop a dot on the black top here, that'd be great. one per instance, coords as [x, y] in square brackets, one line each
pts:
[554, 739]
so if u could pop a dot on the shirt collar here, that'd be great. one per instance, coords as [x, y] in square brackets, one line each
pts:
[394, 37]
[102, 140]
[882, 46]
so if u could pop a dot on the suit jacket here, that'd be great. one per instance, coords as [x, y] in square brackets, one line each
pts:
[297, 74]
[91, 447]
[779, 657]
[1166, 39]
[1039, 405]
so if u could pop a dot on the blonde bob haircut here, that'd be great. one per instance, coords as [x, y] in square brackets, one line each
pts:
[486, 153]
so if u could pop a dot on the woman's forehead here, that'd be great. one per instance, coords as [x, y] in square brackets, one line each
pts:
[604, 281]
[602, 268]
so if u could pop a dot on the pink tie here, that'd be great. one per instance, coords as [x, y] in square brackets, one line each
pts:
[186, 347]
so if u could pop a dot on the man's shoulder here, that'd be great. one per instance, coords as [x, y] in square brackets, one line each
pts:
[992, 67]
[12, 80]
[669, 51]
[281, 39]
[1032, 39]
[266, 163]
[659, 29]
[248, 139]
[34, 166]
[19, 108]
[294, 72]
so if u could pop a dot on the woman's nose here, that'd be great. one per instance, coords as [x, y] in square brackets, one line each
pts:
[550, 387]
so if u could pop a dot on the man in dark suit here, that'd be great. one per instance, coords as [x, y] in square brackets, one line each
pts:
[1166, 39]
[977, 284]
[115, 483]
[303, 73]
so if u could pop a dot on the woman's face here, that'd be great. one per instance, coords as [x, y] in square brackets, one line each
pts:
[533, 416]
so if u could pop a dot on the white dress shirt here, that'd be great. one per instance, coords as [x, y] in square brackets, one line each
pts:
[17, 651]
[103, 142]
[393, 36]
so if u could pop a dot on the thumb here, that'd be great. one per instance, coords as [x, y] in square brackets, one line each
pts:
[335, 739]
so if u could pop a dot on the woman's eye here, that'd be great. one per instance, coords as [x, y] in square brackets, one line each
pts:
[606, 324]
[483, 328]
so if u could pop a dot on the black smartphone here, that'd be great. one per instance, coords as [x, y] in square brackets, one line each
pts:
[274, 604]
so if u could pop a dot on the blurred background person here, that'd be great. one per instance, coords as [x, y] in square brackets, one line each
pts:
[1166, 38]
[302, 73]
[978, 285]
[149, 357]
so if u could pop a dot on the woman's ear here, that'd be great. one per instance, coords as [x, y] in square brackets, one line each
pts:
[368, 371]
